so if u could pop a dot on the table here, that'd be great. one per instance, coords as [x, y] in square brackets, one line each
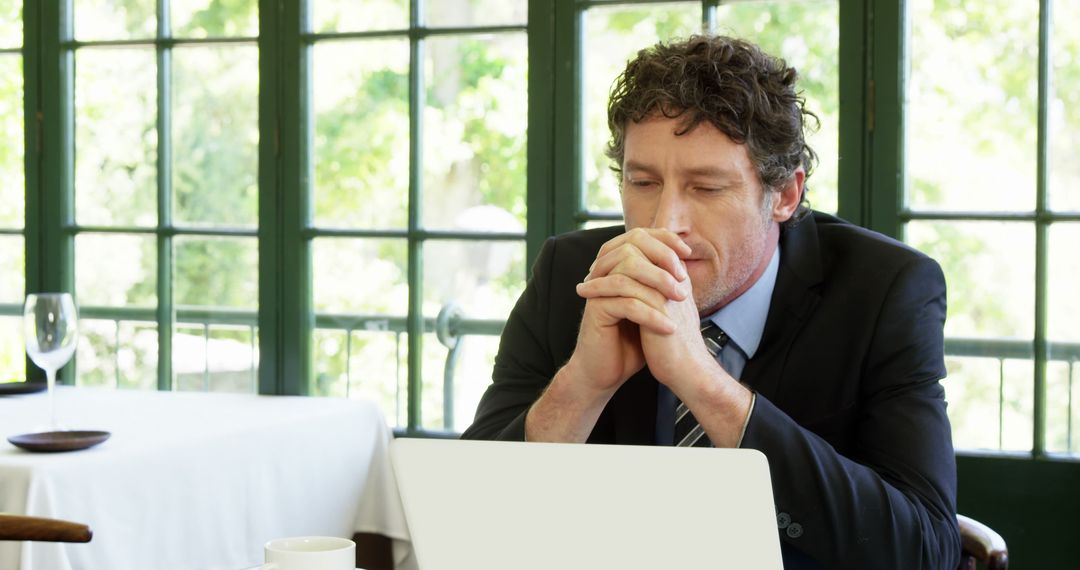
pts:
[193, 480]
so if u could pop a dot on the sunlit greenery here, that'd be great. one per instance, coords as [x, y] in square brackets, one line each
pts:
[971, 146]
[12, 183]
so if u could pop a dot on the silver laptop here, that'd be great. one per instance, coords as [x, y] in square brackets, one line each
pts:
[478, 505]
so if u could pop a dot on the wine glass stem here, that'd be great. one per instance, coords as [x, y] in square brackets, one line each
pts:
[50, 378]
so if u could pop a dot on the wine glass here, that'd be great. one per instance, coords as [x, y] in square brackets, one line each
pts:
[51, 327]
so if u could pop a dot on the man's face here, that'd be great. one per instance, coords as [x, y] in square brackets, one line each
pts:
[702, 186]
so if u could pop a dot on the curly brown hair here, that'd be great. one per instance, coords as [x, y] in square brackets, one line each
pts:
[747, 94]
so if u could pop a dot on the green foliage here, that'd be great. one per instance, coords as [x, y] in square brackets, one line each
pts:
[220, 272]
[355, 141]
[222, 18]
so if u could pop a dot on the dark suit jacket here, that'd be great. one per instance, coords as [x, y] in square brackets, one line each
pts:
[849, 410]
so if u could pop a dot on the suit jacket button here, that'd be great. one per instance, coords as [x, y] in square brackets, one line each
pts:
[794, 530]
[783, 520]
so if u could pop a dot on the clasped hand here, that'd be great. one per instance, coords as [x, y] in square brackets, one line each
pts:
[639, 310]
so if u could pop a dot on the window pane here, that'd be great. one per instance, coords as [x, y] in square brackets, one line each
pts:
[474, 132]
[214, 19]
[361, 113]
[115, 137]
[484, 278]
[815, 52]
[471, 375]
[1064, 280]
[215, 135]
[12, 181]
[1065, 107]
[378, 363]
[612, 36]
[1063, 405]
[11, 25]
[116, 270]
[360, 276]
[359, 15]
[990, 403]
[215, 358]
[115, 19]
[990, 271]
[12, 349]
[216, 272]
[463, 13]
[971, 127]
[369, 364]
[120, 354]
[331, 362]
[12, 269]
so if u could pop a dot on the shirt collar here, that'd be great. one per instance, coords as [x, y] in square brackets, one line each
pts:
[743, 319]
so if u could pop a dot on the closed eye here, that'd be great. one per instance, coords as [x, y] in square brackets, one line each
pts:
[641, 183]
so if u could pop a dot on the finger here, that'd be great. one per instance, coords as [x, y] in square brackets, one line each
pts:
[620, 285]
[669, 238]
[615, 309]
[639, 259]
[634, 272]
[661, 247]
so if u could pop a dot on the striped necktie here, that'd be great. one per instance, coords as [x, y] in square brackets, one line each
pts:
[688, 432]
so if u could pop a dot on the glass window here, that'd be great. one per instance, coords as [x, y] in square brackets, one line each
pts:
[215, 135]
[115, 19]
[12, 193]
[980, 115]
[166, 198]
[1064, 108]
[358, 15]
[360, 115]
[473, 13]
[116, 137]
[1002, 232]
[378, 214]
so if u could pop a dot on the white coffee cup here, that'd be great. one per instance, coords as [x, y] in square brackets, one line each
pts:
[310, 553]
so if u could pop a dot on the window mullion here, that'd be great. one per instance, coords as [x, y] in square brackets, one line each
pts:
[883, 196]
[49, 246]
[285, 317]
[568, 194]
[33, 119]
[416, 192]
[854, 136]
[541, 176]
[164, 200]
[1042, 232]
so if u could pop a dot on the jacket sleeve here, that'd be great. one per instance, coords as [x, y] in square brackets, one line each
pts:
[890, 500]
[524, 364]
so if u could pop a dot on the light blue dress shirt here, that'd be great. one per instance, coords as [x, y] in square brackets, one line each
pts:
[743, 319]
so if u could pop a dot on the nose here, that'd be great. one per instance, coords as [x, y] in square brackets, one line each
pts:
[672, 212]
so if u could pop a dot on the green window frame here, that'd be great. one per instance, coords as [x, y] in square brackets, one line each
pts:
[872, 44]
[285, 319]
[890, 211]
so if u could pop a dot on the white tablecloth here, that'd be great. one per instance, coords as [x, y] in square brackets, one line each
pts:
[198, 481]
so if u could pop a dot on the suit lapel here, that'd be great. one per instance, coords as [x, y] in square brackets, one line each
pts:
[794, 298]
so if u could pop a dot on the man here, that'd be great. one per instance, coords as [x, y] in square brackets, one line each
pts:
[832, 346]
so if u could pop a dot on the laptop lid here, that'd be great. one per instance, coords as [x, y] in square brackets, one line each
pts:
[482, 505]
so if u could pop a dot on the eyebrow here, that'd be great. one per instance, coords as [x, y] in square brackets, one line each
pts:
[704, 171]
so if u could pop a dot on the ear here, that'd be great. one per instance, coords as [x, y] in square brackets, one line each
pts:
[788, 198]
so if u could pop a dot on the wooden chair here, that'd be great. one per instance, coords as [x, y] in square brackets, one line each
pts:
[979, 543]
[19, 527]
